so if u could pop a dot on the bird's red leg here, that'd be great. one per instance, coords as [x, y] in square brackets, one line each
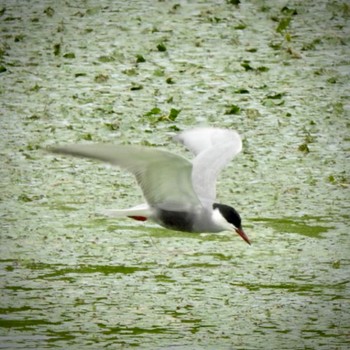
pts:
[139, 218]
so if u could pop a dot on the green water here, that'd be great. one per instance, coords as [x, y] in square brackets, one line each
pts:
[136, 72]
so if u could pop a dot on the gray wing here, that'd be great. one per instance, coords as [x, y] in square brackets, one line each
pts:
[214, 148]
[164, 177]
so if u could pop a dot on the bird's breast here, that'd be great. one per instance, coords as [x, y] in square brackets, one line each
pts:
[176, 220]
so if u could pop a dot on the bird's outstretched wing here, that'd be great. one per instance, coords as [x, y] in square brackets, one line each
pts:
[164, 177]
[213, 148]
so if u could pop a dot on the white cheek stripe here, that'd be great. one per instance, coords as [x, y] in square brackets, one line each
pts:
[221, 221]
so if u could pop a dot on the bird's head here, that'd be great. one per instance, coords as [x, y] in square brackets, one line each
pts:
[229, 219]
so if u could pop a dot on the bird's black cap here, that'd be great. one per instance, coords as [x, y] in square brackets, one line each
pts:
[229, 213]
[232, 216]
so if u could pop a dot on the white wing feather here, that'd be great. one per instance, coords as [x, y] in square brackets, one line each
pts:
[214, 149]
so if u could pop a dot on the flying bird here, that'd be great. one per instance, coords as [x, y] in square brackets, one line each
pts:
[180, 195]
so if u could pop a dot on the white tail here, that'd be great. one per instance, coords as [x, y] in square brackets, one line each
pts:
[139, 212]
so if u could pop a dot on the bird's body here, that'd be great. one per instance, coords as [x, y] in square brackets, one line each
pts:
[180, 195]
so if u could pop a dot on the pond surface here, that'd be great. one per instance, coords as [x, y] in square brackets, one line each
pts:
[137, 72]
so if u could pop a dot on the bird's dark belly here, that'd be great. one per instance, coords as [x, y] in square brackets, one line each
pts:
[176, 220]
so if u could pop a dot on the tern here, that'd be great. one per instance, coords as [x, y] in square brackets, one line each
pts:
[180, 195]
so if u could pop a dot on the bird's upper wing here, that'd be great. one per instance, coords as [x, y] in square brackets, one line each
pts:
[214, 148]
[164, 177]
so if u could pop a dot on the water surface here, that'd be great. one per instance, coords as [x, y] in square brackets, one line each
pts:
[136, 72]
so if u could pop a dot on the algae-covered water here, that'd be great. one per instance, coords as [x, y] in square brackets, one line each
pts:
[137, 72]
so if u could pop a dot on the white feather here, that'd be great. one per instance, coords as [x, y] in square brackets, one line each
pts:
[214, 149]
